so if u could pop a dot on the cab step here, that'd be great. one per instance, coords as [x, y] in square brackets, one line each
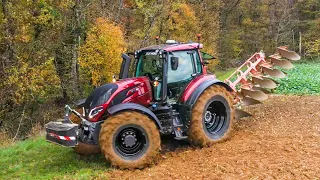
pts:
[181, 138]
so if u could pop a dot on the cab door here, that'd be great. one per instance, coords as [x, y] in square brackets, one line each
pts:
[188, 68]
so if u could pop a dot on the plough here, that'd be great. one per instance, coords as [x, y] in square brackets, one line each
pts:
[252, 81]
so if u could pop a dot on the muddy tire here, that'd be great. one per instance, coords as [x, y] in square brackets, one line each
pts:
[213, 117]
[130, 140]
[75, 119]
[86, 149]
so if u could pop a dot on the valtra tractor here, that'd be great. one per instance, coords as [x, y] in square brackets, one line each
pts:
[164, 90]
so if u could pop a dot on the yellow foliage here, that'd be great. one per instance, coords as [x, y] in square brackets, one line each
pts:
[100, 56]
[313, 49]
[184, 24]
[32, 83]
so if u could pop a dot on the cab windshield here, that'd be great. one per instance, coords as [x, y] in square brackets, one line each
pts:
[149, 64]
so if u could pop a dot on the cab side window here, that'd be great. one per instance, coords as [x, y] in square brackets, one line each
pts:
[189, 64]
[197, 61]
[185, 68]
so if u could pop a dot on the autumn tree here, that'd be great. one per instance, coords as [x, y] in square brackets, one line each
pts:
[207, 13]
[308, 12]
[30, 76]
[100, 56]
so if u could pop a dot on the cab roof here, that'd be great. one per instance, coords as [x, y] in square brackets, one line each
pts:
[173, 47]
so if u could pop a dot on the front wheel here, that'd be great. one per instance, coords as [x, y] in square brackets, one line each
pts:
[212, 118]
[129, 140]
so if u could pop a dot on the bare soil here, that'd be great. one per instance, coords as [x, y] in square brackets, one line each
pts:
[281, 141]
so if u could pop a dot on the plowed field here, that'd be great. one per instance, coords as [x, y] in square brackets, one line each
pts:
[281, 141]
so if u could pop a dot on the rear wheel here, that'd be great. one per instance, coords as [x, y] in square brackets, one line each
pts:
[129, 140]
[212, 118]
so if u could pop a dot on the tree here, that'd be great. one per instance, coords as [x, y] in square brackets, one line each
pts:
[100, 56]
[308, 13]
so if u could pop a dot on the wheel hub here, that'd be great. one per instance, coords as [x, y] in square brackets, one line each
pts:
[130, 140]
[207, 116]
[214, 117]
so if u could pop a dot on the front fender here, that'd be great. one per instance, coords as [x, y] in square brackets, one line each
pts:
[135, 107]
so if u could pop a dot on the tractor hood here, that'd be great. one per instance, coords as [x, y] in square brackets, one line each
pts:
[126, 90]
[100, 95]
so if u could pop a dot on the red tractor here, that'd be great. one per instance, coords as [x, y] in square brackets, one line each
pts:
[164, 90]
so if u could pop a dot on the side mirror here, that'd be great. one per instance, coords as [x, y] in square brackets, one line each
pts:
[174, 63]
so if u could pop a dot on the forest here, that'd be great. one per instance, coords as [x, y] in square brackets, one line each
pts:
[53, 52]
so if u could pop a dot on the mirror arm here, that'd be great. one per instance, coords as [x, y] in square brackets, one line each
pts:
[205, 63]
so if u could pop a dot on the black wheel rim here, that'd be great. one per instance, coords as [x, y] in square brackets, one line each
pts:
[216, 117]
[130, 142]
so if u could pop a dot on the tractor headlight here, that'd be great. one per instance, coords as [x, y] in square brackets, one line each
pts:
[95, 111]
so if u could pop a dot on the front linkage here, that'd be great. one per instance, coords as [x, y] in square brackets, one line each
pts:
[67, 133]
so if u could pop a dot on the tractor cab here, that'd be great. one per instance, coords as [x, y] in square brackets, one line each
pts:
[170, 68]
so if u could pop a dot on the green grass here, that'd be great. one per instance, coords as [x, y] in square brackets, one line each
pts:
[222, 75]
[38, 159]
[303, 79]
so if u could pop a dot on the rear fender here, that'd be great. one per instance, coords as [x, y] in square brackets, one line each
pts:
[202, 87]
[135, 107]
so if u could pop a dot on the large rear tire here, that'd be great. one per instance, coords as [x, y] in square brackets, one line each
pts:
[212, 118]
[129, 140]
